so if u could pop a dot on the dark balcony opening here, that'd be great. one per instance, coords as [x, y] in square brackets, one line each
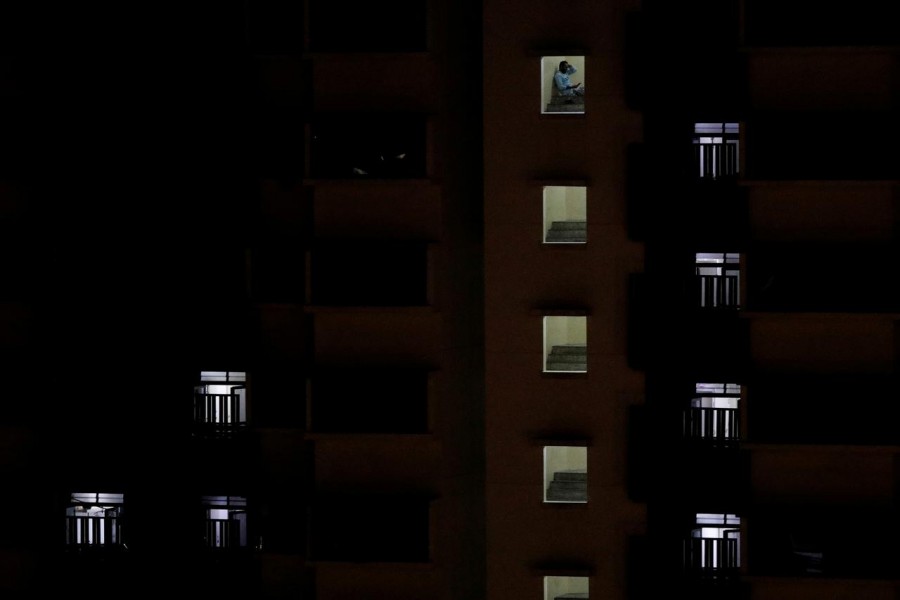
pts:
[20, 262]
[832, 542]
[369, 401]
[278, 129]
[278, 394]
[822, 278]
[702, 24]
[705, 474]
[370, 529]
[376, 273]
[362, 26]
[221, 270]
[715, 213]
[826, 409]
[277, 272]
[688, 47]
[824, 146]
[373, 146]
[717, 339]
[272, 26]
[813, 23]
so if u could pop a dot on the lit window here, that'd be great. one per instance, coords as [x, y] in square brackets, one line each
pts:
[714, 547]
[718, 277]
[562, 84]
[565, 344]
[226, 521]
[223, 376]
[716, 149]
[94, 520]
[565, 214]
[714, 413]
[557, 587]
[220, 402]
[565, 474]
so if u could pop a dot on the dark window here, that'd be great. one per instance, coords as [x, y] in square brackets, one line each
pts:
[272, 26]
[395, 26]
[814, 23]
[277, 273]
[369, 401]
[278, 149]
[369, 274]
[811, 277]
[823, 146]
[376, 146]
[371, 529]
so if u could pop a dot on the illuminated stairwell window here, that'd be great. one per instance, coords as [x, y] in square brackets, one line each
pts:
[565, 474]
[565, 214]
[559, 587]
[565, 344]
[220, 403]
[713, 549]
[714, 413]
[716, 147]
[225, 522]
[718, 279]
[94, 520]
[562, 84]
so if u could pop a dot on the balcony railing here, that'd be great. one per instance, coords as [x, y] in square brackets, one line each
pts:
[219, 415]
[718, 291]
[94, 531]
[223, 533]
[711, 557]
[713, 425]
[714, 161]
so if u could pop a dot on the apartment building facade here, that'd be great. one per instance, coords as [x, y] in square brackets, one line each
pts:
[254, 368]
[406, 314]
[674, 346]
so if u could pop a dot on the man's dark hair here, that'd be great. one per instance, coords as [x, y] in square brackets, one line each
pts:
[562, 66]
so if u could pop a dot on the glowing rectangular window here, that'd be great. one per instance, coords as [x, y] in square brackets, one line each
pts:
[565, 474]
[562, 84]
[565, 344]
[561, 587]
[565, 215]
